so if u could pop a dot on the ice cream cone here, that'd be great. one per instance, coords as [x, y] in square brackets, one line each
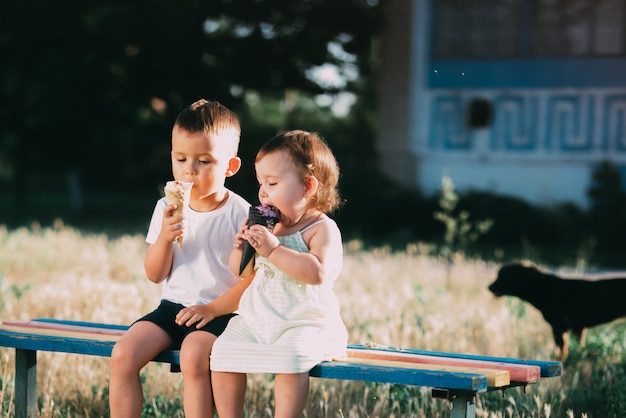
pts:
[177, 193]
[257, 215]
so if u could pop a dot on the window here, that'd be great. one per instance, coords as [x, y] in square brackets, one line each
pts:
[488, 29]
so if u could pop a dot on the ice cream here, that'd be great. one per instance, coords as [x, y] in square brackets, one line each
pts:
[177, 193]
[257, 215]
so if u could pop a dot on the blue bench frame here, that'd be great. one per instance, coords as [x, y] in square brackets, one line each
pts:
[459, 388]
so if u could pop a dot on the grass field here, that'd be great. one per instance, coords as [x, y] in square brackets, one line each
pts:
[410, 299]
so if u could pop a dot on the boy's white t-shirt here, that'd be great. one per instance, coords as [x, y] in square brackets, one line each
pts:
[200, 271]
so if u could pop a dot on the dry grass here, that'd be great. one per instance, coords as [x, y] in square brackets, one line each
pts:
[407, 299]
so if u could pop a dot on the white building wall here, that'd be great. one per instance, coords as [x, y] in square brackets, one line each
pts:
[541, 144]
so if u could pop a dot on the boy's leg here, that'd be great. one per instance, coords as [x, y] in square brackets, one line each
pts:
[140, 344]
[194, 365]
[290, 393]
[229, 392]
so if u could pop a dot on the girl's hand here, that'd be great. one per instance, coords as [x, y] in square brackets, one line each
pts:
[261, 239]
[196, 314]
[172, 226]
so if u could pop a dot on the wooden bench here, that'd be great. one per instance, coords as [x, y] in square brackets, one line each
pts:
[456, 377]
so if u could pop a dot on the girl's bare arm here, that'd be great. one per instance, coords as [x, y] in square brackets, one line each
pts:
[322, 263]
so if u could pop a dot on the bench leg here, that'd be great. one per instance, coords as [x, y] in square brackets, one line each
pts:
[463, 406]
[463, 402]
[25, 383]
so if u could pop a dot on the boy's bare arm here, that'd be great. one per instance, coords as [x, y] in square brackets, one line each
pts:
[223, 305]
[158, 260]
[159, 256]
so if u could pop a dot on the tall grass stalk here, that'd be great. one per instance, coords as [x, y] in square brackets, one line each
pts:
[390, 298]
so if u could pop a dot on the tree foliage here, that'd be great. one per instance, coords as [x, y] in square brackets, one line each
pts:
[93, 87]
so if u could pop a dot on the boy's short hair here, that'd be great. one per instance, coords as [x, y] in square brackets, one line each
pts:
[212, 118]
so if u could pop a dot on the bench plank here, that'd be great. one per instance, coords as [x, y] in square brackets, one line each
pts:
[70, 333]
[384, 374]
[517, 372]
[92, 325]
[75, 327]
[76, 345]
[548, 368]
[495, 378]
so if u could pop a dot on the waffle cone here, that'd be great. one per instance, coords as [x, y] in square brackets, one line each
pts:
[257, 215]
[177, 193]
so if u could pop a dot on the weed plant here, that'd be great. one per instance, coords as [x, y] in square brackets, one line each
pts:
[392, 298]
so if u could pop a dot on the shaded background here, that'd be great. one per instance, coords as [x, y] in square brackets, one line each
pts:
[89, 92]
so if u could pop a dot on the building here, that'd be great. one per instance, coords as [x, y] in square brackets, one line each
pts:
[516, 97]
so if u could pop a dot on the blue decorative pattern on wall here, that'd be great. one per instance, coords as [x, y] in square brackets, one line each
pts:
[569, 126]
[447, 122]
[514, 127]
[614, 136]
[556, 122]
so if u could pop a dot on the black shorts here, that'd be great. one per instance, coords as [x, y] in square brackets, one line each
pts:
[165, 318]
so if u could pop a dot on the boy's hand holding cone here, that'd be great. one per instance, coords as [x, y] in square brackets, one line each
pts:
[177, 193]
[257, 215]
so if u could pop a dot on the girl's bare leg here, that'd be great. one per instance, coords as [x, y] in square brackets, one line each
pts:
[229, 392]
[140, 344]
[194, 365]
[290, 392]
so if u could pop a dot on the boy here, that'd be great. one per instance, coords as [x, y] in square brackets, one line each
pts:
[200, 293]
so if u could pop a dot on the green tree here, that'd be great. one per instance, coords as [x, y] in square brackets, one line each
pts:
[93, 87]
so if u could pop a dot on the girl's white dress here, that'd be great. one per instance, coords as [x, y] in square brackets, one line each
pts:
[283, 326]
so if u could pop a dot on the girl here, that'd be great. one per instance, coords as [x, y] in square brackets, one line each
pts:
[289, 317]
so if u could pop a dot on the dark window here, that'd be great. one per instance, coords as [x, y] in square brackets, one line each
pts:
[478, 29]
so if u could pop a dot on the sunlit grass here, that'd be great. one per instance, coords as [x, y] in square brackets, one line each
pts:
[408, 299]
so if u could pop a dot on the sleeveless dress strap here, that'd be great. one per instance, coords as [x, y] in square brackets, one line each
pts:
[306, 228]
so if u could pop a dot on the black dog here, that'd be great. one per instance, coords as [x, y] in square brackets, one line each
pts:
[566, 304]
